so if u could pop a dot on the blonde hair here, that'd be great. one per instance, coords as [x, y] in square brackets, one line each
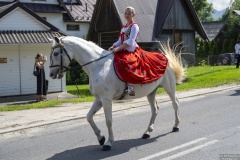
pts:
[131, 9]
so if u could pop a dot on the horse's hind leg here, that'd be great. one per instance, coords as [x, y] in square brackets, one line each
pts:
[154, 107]
[96, 106]
[169, 84]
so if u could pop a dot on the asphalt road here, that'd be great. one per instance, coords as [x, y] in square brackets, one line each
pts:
[209, 130]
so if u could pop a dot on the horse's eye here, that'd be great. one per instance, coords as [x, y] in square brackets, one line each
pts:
[55, 53]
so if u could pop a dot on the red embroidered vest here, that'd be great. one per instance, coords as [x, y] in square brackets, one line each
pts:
[127, 33]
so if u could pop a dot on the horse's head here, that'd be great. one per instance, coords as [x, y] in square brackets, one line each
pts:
[60, 58]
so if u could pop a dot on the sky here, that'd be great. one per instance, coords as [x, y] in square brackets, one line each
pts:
[219, 4]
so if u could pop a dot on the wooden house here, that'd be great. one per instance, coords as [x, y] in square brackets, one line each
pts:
[159, 20]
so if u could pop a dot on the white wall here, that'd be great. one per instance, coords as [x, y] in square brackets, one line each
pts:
[20, 20]
[11, 75]
[56, 19]
[9, 72]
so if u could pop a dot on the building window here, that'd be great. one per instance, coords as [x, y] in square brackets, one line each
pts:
[71, 27]
[178, 37]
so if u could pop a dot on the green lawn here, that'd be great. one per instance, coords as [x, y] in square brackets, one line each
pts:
[196, 77]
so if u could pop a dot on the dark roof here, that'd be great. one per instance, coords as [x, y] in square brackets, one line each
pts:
[76, 11]
[81, 12]
[5, 6]
[4, 10]
[213, 28]
[150, 15]
[163, 8]
[20, 37]
[39, 7]
[27, 37]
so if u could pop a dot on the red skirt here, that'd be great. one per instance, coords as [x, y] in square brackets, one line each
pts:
[140, 67]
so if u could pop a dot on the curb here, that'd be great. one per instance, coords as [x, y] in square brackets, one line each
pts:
[117, 110]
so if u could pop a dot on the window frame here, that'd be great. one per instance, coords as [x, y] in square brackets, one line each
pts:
[77, 27]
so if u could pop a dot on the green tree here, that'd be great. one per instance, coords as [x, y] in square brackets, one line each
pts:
[205, 50]
[225, 15]
[76, 76]
[225, 46]
[231, 47]
[212, 47]
[233, 20]
[199, 53]
[203, 9]
[218, 48]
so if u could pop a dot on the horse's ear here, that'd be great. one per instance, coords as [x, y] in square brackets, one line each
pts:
[57, 39]
[51, 40]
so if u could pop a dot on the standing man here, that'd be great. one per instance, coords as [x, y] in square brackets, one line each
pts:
[237, 52]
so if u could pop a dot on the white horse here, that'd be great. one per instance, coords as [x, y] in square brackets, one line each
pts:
[106, 86]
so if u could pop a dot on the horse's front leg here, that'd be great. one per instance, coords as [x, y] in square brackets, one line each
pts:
[107, 106]
[154, 107]
[96, 106]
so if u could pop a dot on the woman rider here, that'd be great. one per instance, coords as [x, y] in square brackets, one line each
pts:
[133, 64]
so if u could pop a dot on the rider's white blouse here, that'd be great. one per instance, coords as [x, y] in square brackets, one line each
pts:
[132, 38]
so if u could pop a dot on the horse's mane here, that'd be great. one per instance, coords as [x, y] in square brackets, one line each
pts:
[90, 44]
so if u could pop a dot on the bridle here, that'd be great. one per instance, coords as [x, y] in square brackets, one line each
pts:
[64, 68]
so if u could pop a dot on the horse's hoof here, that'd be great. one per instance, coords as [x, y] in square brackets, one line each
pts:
[106, 148]
[145, 136]
[102, 140]
[175, 129]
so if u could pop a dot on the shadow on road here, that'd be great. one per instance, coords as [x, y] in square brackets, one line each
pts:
[94, 152]
[236, 94]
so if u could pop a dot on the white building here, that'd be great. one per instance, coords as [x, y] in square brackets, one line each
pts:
[25, 27]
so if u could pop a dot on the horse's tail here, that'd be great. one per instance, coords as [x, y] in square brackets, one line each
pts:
[175, 61]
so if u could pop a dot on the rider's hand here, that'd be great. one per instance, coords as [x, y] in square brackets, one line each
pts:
[115, 49]
[111, 48]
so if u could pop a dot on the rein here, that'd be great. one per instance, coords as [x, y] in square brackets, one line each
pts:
[72, 68]
[62, 67]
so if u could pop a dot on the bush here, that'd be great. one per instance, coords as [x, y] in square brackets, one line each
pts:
[77, 76]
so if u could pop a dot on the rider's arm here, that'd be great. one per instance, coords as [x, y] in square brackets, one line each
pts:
[116, 44]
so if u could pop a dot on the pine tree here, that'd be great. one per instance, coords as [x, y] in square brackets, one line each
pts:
[225, 46]
[212, 47]
[199, 53]
[205, 50]
[231, 46]
[218, 48]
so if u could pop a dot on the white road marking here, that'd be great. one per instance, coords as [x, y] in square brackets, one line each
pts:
[173, 149]
[190, 150]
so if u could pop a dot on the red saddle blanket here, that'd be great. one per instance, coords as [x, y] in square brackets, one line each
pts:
[139, 67]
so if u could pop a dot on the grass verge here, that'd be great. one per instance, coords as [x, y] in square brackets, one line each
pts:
[196, 77]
